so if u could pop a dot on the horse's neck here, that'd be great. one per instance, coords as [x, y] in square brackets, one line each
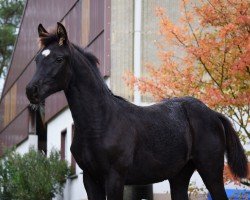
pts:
[88, 101]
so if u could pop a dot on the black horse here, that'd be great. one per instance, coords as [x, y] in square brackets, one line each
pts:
[117, 143]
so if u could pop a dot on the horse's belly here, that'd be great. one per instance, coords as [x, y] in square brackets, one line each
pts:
[147, 169]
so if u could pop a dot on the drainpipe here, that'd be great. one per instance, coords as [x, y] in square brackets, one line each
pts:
[137, 47]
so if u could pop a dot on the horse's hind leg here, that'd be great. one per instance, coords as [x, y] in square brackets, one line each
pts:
[210, 169]
[179, 183]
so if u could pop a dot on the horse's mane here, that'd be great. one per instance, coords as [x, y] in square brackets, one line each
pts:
[94, 62]
[89, 56]
[48, 38]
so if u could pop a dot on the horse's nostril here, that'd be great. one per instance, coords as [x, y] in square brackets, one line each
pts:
[32, 91]
[35, 90]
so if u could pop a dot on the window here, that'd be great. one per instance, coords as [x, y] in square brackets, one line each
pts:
[63, 144]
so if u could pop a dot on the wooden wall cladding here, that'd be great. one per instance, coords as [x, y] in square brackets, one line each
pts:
[15, 132]
[13, 106]
[15, 100]
[87, 25]
[54, 104]
[96, 18]
[22, 64]
[46, 12]
[73, 23]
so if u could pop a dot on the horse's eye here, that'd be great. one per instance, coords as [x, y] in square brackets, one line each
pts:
[59, 59]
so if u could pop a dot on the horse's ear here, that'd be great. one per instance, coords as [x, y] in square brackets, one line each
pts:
[62, 34]
[41, 30]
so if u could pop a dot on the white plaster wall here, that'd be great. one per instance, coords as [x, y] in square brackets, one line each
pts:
[74, 189]
[30, 142]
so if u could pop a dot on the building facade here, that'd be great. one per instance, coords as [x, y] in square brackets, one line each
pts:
[123, 35]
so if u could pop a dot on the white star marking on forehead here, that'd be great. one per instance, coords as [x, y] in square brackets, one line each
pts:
[46, 52]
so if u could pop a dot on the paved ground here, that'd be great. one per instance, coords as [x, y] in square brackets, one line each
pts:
[167, 197]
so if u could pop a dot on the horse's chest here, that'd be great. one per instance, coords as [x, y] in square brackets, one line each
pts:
[89, 155]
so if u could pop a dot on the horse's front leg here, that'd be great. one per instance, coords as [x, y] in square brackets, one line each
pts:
[95, 189]
[114, 185]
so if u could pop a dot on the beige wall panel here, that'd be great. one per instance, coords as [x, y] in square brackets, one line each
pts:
[13, 93]
[6, 109]
[122, 26]
[150, 34]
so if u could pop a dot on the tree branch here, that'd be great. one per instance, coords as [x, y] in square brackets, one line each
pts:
[223, 63]
[191, 28]
[177, 37]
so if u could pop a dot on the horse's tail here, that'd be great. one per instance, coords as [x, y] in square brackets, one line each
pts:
[236, 157]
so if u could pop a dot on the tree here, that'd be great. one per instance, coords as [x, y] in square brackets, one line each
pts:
[209, 58]
[10, 16]
[32, 176]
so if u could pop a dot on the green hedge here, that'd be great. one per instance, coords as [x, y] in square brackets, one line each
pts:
[32, 176]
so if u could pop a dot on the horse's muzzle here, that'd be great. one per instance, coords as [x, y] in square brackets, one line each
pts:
[32, 94]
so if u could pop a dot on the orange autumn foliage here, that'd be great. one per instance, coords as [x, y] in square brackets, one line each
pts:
[205, 55]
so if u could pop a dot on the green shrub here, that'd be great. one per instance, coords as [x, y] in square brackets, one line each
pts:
[32, 176]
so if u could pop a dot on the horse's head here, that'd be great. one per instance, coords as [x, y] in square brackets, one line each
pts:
[52, 65]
